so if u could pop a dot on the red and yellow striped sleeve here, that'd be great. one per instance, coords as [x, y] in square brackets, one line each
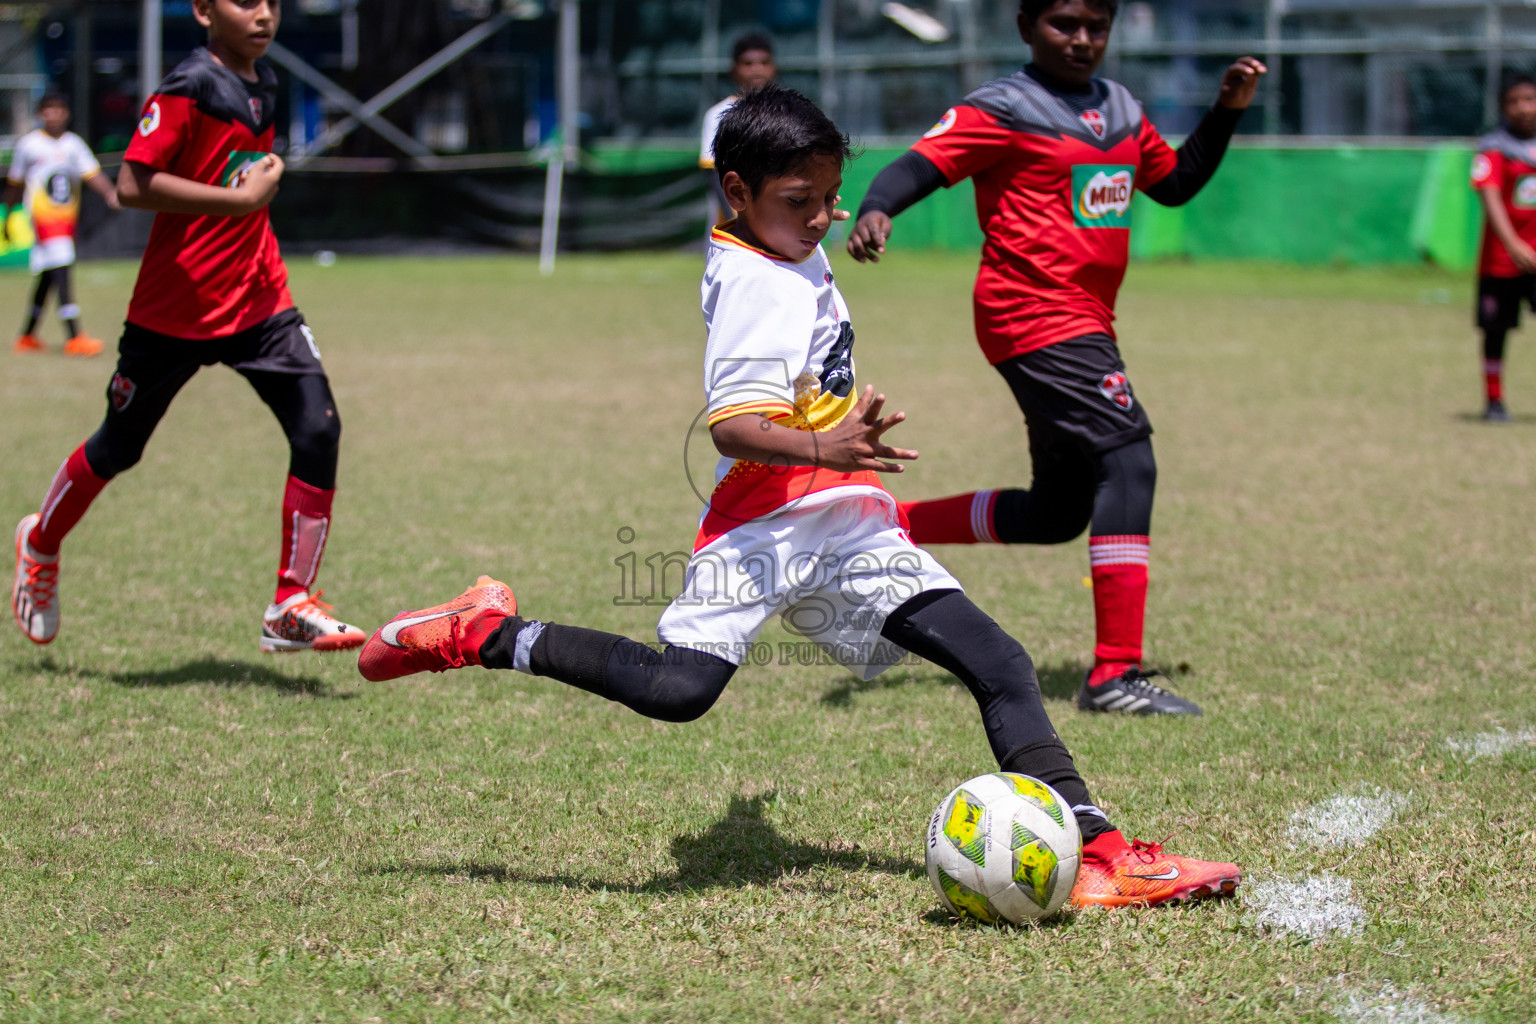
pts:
[773, 408]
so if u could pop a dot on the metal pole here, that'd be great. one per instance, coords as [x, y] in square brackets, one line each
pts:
[568, 83]
[1273, 94]
[349, 35]
[826, 56]
[709, 52]
[80, 102]
[149, 49]
[1493, 25]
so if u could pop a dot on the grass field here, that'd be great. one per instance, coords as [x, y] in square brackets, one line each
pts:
[1342, 575]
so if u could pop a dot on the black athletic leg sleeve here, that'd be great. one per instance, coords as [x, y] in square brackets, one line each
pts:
[68, 311]
[675, 684]
[1493, 342]
[1058, 505]
[1127, 479]
[305, 407]
[906, 180]
[944, 627]
[39, 301]
[1198, 158]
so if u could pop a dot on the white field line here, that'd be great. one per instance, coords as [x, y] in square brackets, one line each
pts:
[1388, 1006]
[1345, 820]
[1491, 744]
[1316, 908]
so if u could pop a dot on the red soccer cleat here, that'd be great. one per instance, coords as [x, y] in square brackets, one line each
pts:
[440, 638]
[28, 343]
[1117, 874]
[83, 345]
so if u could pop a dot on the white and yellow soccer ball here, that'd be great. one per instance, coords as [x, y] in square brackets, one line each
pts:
[1004, 847]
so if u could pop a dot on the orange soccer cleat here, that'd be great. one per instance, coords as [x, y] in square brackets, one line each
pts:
[440, 638]
[1115, 873]
[82, 345]
[305, 623]
[28, 343]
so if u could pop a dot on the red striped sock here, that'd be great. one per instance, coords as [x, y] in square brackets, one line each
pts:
[306, 524]
[74, 487]
[1119, 567]
[1493, 379]
[962, 519]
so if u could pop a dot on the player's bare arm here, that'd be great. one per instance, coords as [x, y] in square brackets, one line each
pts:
[103, 186]
[852, 445]
[1240, 82]
[144, 188]
[1521, 252]
[12, 197]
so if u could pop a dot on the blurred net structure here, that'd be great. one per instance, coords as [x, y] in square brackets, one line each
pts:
[434, 119]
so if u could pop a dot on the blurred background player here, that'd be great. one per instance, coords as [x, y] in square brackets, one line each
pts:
[1056, 154]
[752, 67]
[212, 288]
[1504, 175]
[799, 523]
[48, 165]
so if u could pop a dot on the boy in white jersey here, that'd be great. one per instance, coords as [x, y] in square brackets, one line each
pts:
[48, 165]
[799, 524]
[752, 67]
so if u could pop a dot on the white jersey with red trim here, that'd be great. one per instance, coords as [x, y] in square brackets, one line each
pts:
[781, 346]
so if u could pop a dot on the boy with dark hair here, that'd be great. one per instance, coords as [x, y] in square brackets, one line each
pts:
[48, 166]
[1055, 154]
[799, 524]
[1504, 175]
[212, 288]
[752, 67]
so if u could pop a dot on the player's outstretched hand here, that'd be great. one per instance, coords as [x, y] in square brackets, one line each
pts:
[866, 242]
[855, 443]
[261, 180]
[1240, 82]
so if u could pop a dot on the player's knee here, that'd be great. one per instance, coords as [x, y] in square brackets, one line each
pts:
[1138, 466]
[319, 436]
[109, 452]
[1043, 516]
[686, 686]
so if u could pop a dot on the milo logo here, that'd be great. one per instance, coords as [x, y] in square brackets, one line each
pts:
[237, 166]
[1101, 195]
[1525, 192]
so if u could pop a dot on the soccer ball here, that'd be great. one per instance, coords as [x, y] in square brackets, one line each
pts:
[1004, 847]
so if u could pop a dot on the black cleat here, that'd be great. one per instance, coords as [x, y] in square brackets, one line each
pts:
[1132, 693]
[1496, 413]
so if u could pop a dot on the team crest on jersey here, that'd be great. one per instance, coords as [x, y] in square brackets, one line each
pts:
[255, 103]
[151, 119]
[120, 392]
[1117, 389]
[1482, 167]
[945, 124]
[1094, 119]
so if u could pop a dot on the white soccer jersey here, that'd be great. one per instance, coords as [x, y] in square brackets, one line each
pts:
[780, 345]
[52, 170]
[712, 118]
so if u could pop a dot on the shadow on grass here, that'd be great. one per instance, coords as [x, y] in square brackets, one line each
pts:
[1057, 682]
[742, 848]
[211, 671]
[1477, 417]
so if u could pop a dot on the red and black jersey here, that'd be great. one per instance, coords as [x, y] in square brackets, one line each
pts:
[1508, 163]
[1054, 173]
[208, 277]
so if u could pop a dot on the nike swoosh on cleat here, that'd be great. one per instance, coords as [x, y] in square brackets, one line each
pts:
[390, 634]
[1166, 876]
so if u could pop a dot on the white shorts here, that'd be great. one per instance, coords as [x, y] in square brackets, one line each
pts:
[52, 254]
[834, 571]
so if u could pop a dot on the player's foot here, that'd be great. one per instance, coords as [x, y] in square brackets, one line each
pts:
[304, 623]
[28, 343]
[440, 638]
[83, 345]
[1115, 873]
[1132, 693]
[35, 594]
[1495, 412]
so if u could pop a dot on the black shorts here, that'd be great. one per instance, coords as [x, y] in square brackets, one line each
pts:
[1499, 300]
[1076, 393]
[152, 367]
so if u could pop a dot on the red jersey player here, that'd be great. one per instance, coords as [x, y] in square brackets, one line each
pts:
[1055, 154]
[212, 288]
[1504, 174]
